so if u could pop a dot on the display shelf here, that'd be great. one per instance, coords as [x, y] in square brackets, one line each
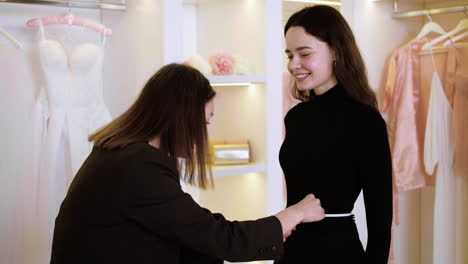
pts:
[233, 170]
[226, 80]
[248, 29]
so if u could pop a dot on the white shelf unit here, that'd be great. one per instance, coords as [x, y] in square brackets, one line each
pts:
[250, 29]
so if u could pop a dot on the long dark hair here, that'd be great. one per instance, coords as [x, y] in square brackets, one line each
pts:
[171, 106]
[328, 25]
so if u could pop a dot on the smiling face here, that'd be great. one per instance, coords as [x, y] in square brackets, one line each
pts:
[310, 61]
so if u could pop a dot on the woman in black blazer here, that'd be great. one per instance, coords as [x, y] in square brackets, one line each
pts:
[126, 205]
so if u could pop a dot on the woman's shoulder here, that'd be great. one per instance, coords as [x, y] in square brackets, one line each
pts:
[143, 156]
[135, 150]
[296, 110]
[143, 150]
[368, 117]
[371, 114]
[138, 154]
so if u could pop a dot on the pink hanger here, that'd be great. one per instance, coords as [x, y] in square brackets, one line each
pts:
[70, 19]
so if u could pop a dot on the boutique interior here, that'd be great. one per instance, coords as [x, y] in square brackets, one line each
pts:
[134, 38]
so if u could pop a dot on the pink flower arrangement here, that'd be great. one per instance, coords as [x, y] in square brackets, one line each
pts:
[222, 63]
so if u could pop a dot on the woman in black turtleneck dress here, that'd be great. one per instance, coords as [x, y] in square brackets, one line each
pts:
[336, 144]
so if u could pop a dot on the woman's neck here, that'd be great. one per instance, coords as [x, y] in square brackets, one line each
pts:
[155, 142]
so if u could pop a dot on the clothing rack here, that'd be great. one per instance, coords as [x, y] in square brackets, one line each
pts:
[74, 4]
[424, 12]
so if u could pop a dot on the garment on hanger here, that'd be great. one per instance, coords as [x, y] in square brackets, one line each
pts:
[70, 108]
[433, 65]
[402, 106]
[451, 192]
[402, 101]
[456, 87]
[457, 93]
[438, 150]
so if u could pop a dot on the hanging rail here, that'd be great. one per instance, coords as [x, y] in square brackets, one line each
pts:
[65, 3]
[433, 11]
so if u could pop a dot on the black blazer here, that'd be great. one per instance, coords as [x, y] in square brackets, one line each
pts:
[127, 206]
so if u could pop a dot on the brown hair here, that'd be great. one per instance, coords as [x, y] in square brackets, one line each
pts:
[328, 25]
[171, 106]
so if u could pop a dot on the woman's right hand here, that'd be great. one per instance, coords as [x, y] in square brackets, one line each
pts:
[307, 210]
[311, 209]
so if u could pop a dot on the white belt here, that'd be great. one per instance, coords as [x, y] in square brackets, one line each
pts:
[338, 215]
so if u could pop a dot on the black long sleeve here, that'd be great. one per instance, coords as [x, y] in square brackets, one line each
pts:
[127, 206]
[174, 215]
[376, 172]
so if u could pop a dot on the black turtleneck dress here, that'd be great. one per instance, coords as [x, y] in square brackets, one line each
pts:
[334, 148]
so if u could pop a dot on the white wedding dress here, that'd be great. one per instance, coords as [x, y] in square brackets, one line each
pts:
[69, 109]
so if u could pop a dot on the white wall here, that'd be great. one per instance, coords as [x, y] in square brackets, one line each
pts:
[133, 53]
